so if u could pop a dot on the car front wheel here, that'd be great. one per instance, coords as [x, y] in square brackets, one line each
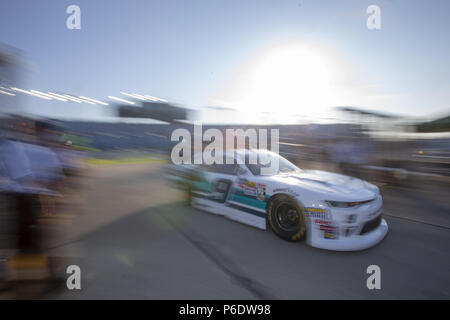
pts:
[286, 218]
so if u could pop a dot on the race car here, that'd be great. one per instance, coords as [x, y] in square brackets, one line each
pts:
[330, 211]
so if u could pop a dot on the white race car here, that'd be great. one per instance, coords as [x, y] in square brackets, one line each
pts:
[329, 210]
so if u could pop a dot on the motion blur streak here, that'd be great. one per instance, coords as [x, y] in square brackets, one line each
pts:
[48, 95]
[121, 100]
[7, 93]
[31, 93]
[95, 101]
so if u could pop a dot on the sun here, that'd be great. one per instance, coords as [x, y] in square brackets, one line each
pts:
[291, 80]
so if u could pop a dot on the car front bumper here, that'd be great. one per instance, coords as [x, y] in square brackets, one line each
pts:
[351, 243]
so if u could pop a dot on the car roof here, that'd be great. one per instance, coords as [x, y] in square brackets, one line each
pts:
[240, 154]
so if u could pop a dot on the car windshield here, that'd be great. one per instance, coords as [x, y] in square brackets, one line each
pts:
[266, 160]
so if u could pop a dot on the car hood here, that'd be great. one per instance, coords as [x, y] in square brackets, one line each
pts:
[335, 186]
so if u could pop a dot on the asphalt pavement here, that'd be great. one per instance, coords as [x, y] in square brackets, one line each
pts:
[136, 239]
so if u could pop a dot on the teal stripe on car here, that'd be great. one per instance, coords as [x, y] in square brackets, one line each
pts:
[249, 201]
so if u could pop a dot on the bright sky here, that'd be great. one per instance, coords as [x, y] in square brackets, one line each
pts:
[280, 57]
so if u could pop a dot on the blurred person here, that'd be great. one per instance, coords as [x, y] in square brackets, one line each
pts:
[29, 173]
[350, 154]
[56, 137]
[52, 135]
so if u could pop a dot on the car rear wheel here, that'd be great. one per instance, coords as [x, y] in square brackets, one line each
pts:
[286, 218]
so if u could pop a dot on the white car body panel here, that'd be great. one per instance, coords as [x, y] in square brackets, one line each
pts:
[230, 213]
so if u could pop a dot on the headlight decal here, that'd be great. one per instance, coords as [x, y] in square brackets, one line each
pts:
[343, 204]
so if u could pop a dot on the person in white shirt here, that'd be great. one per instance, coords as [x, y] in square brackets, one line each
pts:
[29, 173]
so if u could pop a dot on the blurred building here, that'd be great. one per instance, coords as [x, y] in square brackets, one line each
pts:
[438, 125]
[162, 111]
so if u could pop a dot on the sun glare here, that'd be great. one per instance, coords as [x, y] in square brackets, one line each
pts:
[292, 80]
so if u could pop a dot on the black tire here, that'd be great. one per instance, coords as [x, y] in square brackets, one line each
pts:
[286, 218]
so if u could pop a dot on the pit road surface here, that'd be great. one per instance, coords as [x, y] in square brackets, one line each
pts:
[135, 239]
